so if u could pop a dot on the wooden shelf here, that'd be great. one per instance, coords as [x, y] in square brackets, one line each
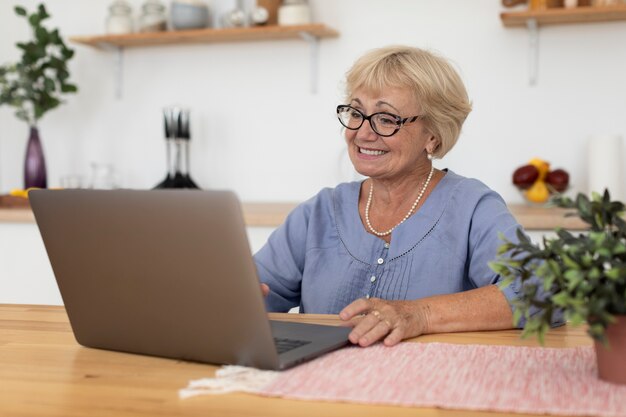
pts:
[310, 33]
[207, 36]
[533, 19]
[557, 16]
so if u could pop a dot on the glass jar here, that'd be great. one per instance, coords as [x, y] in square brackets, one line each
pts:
[120, 20]
[153, 18]
[103, 176]
[294, 12]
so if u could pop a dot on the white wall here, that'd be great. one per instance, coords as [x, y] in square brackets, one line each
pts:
[258, 130]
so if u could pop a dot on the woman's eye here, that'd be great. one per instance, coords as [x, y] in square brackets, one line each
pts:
[355, 114]
[387, 121]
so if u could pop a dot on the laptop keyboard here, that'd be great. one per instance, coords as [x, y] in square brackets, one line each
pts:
[284, 345]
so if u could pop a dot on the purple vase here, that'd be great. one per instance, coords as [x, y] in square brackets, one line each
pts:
[35, 164]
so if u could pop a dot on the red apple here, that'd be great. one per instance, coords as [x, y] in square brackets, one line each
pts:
[524, 177]
[558, 179]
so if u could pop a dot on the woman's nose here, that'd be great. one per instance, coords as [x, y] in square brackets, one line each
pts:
[365, 132]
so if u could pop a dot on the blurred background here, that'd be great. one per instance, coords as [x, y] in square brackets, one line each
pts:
[256, 126]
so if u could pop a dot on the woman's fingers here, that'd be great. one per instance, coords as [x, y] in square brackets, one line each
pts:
[364, 326]
[379, 331]
[394, 337]
[265, 289]
[375, 319]
[355, 308]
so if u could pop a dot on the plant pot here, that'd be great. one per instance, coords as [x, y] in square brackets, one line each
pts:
[34, 164]
[612, 359]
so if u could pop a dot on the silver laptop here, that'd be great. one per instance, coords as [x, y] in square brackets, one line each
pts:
[167, 273]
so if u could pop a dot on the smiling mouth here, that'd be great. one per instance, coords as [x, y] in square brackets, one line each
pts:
[375, 152]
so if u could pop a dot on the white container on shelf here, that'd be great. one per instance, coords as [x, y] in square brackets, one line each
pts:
[189, 14]
[606, 165]
[120, 19]
[294, 12]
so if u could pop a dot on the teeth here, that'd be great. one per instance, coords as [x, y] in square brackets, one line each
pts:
[371, 152]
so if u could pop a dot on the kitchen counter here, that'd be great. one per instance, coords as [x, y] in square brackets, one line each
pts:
[273, 214]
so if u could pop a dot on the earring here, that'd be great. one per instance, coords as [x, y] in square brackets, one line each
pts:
[430, 156]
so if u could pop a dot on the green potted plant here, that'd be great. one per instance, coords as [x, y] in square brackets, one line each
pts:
[582, 275]
[34, 85]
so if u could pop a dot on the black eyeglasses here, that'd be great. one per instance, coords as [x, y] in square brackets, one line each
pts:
[383, 123]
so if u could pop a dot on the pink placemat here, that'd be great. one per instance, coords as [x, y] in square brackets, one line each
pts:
[472, 377]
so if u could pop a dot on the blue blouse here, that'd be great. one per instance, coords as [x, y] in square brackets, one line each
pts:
[322, 258]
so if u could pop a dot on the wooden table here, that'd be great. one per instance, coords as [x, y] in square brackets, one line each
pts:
[44, 372]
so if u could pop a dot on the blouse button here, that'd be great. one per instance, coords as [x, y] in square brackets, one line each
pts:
[367, 296]
[386, 245]
[373, 278]
[380, 261]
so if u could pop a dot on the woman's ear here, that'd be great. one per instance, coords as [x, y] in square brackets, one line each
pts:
[432, 144]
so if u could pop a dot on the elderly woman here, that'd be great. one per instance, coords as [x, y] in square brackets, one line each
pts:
[406, 251]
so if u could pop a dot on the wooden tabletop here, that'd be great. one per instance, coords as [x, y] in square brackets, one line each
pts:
[44, 372]
[274, 214]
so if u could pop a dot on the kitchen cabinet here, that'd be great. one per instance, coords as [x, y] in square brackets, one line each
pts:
[27, 277]
[310, 33]
[533, 19]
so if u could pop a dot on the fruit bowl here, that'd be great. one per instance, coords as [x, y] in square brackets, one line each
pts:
[537, 182]
[552, 193]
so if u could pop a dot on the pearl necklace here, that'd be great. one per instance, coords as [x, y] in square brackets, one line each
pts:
[417, 200]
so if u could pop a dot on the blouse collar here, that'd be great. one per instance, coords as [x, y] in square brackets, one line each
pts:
[404, 238]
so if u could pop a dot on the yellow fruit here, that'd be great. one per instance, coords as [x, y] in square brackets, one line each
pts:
[16, 192]
[19, 193]
[538, 192]
[542, 166]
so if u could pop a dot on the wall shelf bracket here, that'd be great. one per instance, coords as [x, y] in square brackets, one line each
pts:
[314, 51]
[118, 67]
[533, 50]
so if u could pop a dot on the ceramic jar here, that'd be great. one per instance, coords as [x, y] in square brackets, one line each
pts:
[189, 14]
[294, 12]
[120, 19]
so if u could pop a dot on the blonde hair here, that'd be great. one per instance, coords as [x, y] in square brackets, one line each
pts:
[436, 85]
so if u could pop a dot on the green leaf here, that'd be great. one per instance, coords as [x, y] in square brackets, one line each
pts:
[69, 88]
[517, 317]
[42, 35]
[619, 248]
[43, 13]
[22, 115]
[49, 84]
[521, 236]
[34, 20]
[62, 75]
[614, 273]
[561, 299]
[595, 196]
[39, 111]
[20, 11]
[594, 273]
[67, 53]
[569, 262]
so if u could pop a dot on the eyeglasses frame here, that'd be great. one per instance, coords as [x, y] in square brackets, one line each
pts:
[399, 120]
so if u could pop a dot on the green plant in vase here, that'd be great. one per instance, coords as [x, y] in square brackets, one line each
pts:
[582, 275]
[35, 84]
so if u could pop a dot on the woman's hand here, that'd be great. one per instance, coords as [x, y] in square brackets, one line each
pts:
[265, 289]
[375, 319]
